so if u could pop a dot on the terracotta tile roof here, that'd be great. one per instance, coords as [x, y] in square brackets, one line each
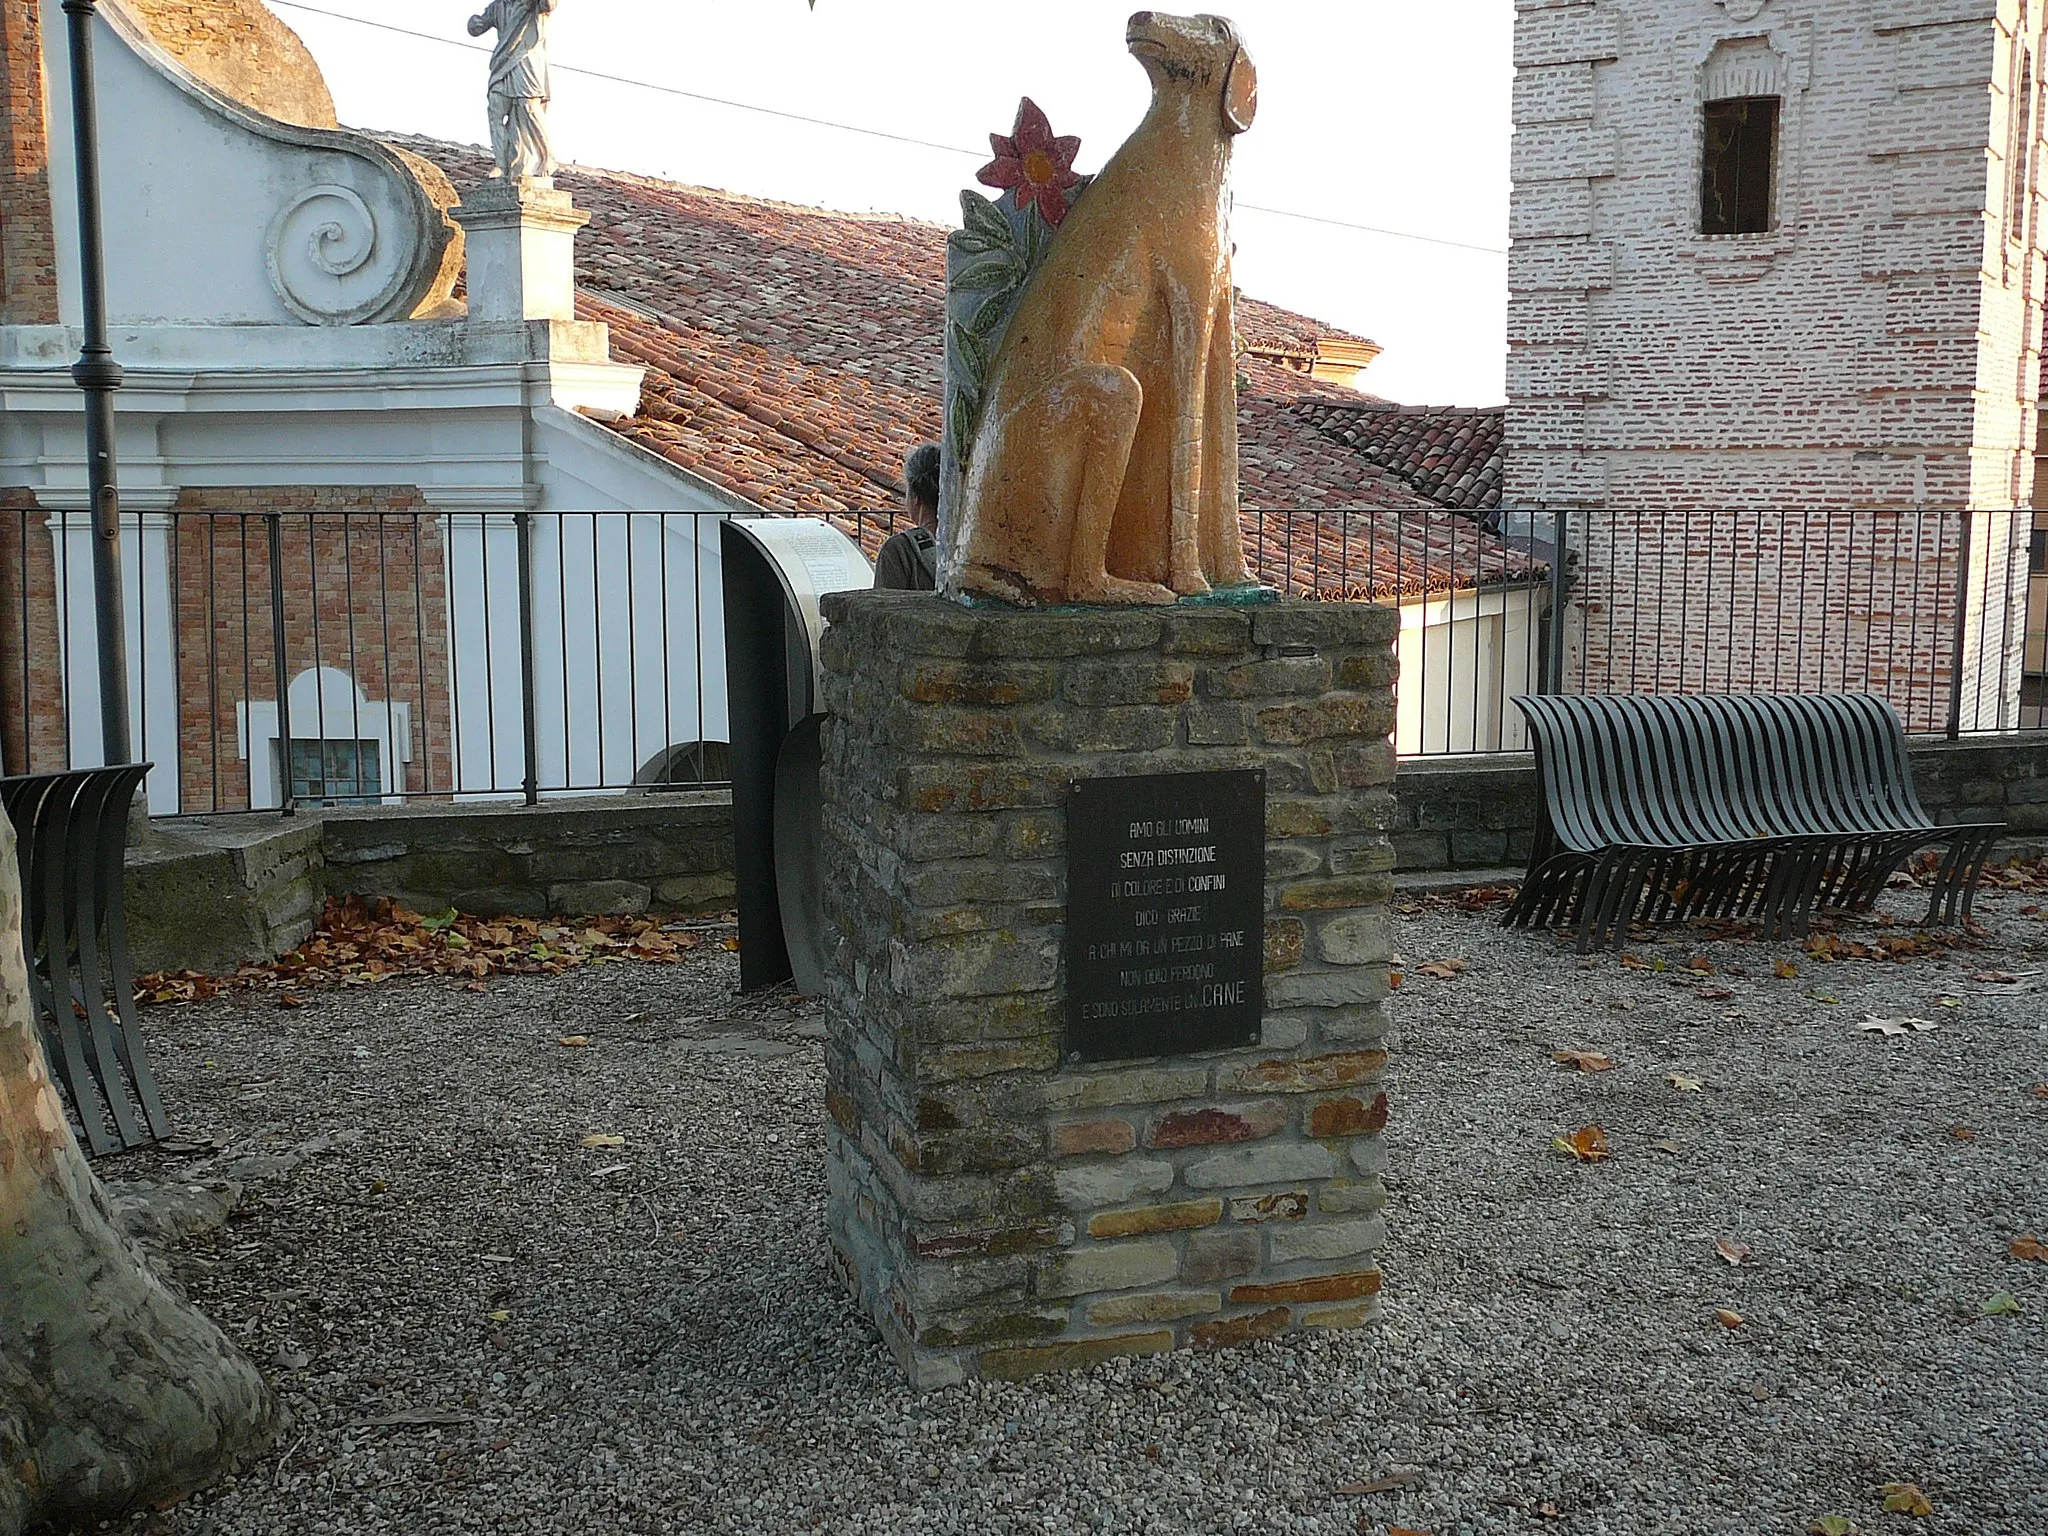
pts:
[1453, 456]
[793, 358]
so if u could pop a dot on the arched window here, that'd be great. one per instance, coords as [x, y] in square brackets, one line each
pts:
[1743, 104]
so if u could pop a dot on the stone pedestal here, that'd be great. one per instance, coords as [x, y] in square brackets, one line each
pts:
[997, 1207]
[521, 243]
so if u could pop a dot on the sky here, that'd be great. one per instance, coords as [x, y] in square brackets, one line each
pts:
[1387, 113]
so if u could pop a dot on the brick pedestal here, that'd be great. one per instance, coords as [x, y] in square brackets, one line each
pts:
[997, 1208]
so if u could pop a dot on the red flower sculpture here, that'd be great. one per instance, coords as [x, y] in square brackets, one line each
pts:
[1036, 166]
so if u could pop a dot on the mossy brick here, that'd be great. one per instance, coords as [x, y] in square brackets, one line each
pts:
[1123, 1265]
[1421, 851]
[1348, 1285]
[1000, 1325]
[1092, 1186]
[1217, 1125]
[1369, 854]
[1355, 938]
[1218, 725]
[1094, 684]
[1336, 893]
[976, 787]
[974, 965]
[1290, 861]
[1366, 764]
[1356, 1315]
[1335, 716]
[1289, 817]
[1326, 625]
[1369, 1157]
[1213, 1256]
[995, 1242]
[1286, 940]
[981, 683]
[991, 1148]
[1035, 835]
[1132, 728]
[1312, 1074]
[1052, 636]
[1124, 1085]
[984, 1020]
[1014, 1363]
[1341, 1197]
[1276, 677]
[1151, 1307]
[1195, 632]
[953, 731]
[1326, 1240]
[1329, 989]
[948, 837]
[956, 1063]
[1267, 1163]
[1236, 1332]
[943, 1285]
[1144, 1220]
[1370, 669]
[979, 880]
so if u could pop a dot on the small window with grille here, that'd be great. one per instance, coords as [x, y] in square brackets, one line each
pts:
[1740, 166]
[337, 772]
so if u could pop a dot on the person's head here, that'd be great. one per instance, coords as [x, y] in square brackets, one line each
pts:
[921, 485]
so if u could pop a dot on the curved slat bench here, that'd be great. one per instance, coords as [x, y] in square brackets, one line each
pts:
[1766, 806]
[71, 838]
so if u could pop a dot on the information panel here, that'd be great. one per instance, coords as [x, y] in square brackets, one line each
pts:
[1166, 897]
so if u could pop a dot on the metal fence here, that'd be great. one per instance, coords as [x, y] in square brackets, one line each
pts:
[364, 655]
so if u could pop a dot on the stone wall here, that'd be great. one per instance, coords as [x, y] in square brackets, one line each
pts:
[207, 893]
[998, 1208]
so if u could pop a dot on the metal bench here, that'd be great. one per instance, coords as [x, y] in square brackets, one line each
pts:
[71, 838]
[1759, 806]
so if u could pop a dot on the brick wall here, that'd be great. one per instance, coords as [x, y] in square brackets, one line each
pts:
[366, 593]
[242, 49]
[32, 722]
[28, 250]
[1864, 352]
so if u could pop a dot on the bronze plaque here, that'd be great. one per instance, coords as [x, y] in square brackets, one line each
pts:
[1166, 898]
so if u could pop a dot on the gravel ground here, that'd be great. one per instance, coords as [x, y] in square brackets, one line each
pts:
[482, 1326]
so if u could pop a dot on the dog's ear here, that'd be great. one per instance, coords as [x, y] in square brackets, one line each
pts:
[1241, 93]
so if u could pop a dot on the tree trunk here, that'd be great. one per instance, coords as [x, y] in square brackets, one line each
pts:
[113, 1392]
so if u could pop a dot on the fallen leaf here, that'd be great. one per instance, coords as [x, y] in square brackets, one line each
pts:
[1995, 978]
[1786, 970]
[2029, 1247]
[1442, 970]
[1832, 1525]
[1585, 1061]
[1700, 965]
[1406, 1530]
[1823, 997]
[499, 1317]
[1951, 1002]
[2002, 1304]
[290, 1001]
[1588, 1144]
[1906, 1499]
[1685, 1084]
[496, 1258]
[1633, 962]
[574, 1042]
[1731, 1250]
[2039, 1090]
[1712, 994]
[604, 1141]
[1962, 1133]
[1397, 1479]
[1873, 1025]
[609, 1169]
[1669, 1148]
[731, 944]
[1727, 1317]
[1394, 981]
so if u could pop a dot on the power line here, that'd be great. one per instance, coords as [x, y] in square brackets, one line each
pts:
[870, 133]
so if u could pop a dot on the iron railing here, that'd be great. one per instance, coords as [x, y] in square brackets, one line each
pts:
[452, 655]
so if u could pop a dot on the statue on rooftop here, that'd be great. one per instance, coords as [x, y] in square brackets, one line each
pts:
[519, 87]
[1091, 350]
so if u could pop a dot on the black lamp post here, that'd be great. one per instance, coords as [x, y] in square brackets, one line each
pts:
[98, 375]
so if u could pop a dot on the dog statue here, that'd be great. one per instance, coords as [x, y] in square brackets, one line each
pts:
[1105, 467]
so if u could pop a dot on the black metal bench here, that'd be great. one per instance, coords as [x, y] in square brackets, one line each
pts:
[71, 838]
[1761, 806]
